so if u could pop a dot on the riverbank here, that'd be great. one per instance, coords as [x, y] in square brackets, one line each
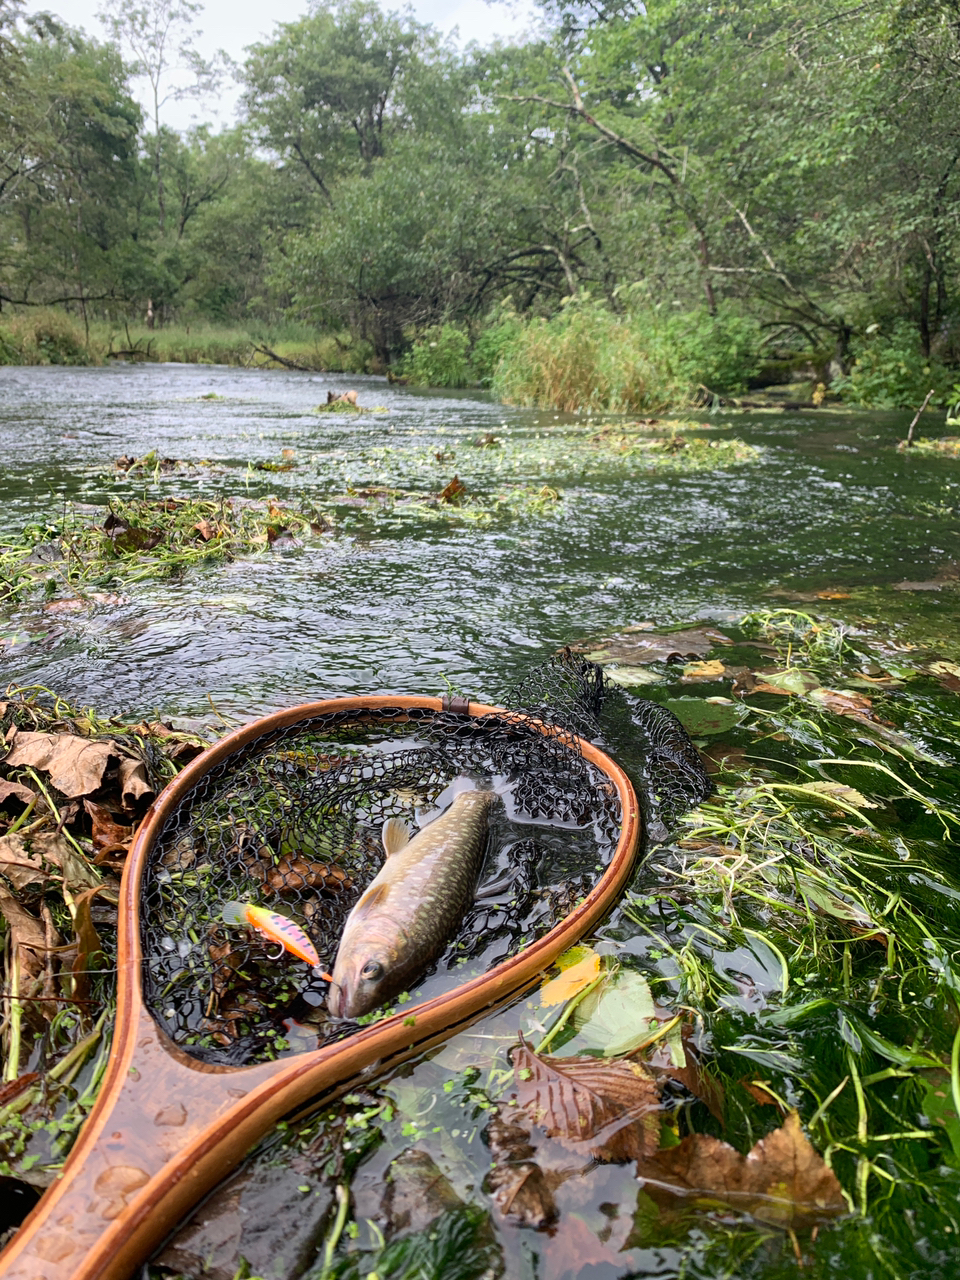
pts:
[50, 337]
[585, 359]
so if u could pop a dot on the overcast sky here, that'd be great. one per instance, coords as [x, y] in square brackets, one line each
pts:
[233, 24]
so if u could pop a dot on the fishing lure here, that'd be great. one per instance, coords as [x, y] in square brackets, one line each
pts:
[277, 928]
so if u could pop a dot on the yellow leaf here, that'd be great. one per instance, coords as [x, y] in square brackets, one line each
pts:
[945, 668]
[573, 977]
[704, 670]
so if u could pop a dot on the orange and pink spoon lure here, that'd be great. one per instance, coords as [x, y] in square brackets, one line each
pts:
[280, 929]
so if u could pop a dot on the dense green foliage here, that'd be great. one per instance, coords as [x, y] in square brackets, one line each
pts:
[725, 193]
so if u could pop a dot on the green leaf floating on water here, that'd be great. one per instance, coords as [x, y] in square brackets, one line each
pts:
[620, 1015]
[702, 717]
[631, 677]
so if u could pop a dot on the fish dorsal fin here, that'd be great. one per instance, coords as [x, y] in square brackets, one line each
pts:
[396, 835]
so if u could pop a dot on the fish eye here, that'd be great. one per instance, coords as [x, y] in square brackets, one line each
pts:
[373, 970]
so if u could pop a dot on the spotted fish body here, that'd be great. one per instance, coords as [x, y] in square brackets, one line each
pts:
[413, 906]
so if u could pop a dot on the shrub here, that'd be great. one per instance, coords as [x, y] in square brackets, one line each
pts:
[891, 372]
[495, 338]
[439, 358]
[45, 337]
[588, 358]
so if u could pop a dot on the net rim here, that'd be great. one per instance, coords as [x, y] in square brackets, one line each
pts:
[510, 974]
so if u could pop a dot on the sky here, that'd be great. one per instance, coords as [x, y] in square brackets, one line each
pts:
[233, 24]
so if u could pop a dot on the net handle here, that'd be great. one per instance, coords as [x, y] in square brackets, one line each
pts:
[166, 1128]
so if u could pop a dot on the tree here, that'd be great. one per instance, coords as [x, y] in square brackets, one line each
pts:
[159, 35]
[327, 92]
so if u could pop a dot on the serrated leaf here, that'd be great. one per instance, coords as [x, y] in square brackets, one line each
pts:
[618, 1016]
[607, 1110]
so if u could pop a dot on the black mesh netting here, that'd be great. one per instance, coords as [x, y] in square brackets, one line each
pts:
[293, 822]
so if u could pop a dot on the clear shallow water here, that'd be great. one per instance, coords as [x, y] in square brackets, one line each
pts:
[404, 604]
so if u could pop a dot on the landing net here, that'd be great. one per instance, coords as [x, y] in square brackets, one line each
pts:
[292, 821]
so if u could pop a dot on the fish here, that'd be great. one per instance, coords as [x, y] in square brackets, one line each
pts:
[277, 928]
[412, 907]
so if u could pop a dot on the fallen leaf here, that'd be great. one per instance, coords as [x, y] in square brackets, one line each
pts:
[607, 1110]
[574, 976]
[945, 668]
[19, 865]
[417, 1192]
[642, 646]
[453, 491]
[107, 832]
[840, 791]
[521, 1189]
[789, 683]
[27, 935]
[692, 1077]
[76, 765]
[89, 950]
[814, 892]
[701, 718]
[205, 529]
[134, 785]
[632, 677]
[12, 1088]
[782, 1180]
[17, 792]
[844, 702]
[758, 1091]
[697, 671]
[617, 1016]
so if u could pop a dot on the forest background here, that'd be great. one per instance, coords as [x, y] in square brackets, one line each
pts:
[642, 206]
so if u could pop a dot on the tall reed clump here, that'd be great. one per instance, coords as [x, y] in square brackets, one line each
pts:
[586, 357]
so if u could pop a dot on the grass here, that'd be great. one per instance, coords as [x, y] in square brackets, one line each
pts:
[138, 538]
[49, 336]
[944, 447]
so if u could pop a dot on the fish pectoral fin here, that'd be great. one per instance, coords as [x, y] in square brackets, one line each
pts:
[396, 835]
[374, 897]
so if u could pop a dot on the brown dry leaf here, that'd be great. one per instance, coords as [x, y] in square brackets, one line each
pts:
[205, 529]
[27, 935]
[454, 490]
[782, 1180]
[134, 786]
[702, 1086]
[644, 646]
[607, 1109]
[844, 702]
[521, 1189]
[12, 1088]
[417, 1193]
[76, 765]
[55, 848]
[89, 951]
[20, 865]
[107, 833]
[15, 791]
[759, 1093]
